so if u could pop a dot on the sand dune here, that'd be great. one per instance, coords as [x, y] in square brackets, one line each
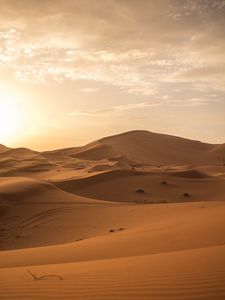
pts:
[3, 148]
[147, 187]
[160, 254]
[28, 209]
[194, 274]
[152, 148]
[20, 151]
[146, 230]
[136, 150]
[20, 190]
[191, 174]
[133, 216]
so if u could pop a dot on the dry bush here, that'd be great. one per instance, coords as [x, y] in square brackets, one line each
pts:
[35, 277]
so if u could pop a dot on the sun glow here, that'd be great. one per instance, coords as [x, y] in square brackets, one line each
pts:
[10, 120]
[20, 116]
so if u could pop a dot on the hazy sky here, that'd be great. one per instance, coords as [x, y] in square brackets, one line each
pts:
[72, 71]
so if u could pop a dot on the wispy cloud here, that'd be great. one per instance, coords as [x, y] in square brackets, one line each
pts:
[131, 46]
[89, 90]
[112, 109]
[190, 102]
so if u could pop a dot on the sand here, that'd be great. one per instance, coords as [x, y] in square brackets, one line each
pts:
[190, 274]
[134, 216]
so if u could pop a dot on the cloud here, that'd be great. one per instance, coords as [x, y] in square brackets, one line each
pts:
[112, 109]
[141, 47]
[211, 72]
[191, 102]
[88, 90]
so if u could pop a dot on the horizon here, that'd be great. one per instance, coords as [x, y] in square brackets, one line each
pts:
[109, 136]
[92, 69]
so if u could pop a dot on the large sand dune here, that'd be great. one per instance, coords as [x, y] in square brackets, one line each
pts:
[151, 148]
[133, 216]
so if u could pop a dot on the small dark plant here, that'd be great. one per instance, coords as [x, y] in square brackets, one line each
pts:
[187, 195]
[113, 230]
[164, 182]
[141, 191]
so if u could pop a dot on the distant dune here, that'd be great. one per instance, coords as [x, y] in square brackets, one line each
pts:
[3, 148]
[138, 215]
[151, 148]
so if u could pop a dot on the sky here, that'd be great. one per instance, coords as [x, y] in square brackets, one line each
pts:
[72, 71]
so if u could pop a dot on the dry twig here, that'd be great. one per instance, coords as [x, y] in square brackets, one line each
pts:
[35, 277]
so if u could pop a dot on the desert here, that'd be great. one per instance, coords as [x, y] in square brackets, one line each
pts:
[114, 222]
[112, 150]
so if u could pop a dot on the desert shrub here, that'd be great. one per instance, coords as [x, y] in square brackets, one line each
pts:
[141, 191]
[119, 229]
[186, 195]
[164, 182]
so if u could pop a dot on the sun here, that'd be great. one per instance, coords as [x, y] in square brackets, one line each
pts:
[18, 115]
[10, 120]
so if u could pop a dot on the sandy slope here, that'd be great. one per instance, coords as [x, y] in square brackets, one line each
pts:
[82, 213]
[157, 187]
[24, 190]
[146, 230]
[30, 210]
[3, 148]
[147, 260]
[151, 148]
[194, 274]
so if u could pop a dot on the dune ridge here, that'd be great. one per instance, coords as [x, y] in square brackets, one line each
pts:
[148, 147]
